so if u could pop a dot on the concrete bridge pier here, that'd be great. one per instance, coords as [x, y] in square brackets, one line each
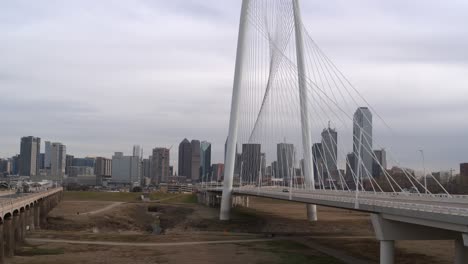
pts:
[240, 200]
[31, 218]
[461, 249]
[387, 251]
[16, 231]
[22, 226]
[390, 228]
[8, 234]
[36, 216]
[2, 244]
[42, 213]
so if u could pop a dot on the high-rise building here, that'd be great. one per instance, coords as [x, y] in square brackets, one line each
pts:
[160, 165]
[103, 167]
[5, 166]
[29, 156]
[329, 153]
[205, 155]
[137, 151]
[84, 162]
[125, 169]
[250, 163]
[263, 164]
[146, 167]
[195, 160]
[317, 160]
[285, 155]
[379, 164]
[362, 142]
[274, 169]
[41, 161]
[68, 163]
[463, 178]
[57, 161]
[185, 159]
[217, 172]
[15, 164]
[47, 154]
[350, 166]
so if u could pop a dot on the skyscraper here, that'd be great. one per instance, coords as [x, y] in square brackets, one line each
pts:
[125, 169]
[58, 160]
[195, 160]
[362, 142]
[29, 156]
[47, 154]
[379, 163]
[137, 151]
[217, 172]
[147, 164]
[350, 166]
[160, 165]
[317, 160]
[329, 152]
[103, 167]
[205, 155]
[286, 157]
[185, 159]
[250, 163]
[68, 162]
[41, 161]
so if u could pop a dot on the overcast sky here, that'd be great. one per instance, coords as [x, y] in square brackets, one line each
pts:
[100, 76]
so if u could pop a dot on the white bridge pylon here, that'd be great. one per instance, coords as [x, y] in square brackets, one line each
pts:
[297, 122]
[231, 148]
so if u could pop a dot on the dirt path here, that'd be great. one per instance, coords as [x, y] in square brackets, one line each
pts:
[110, 243]
[110, 206]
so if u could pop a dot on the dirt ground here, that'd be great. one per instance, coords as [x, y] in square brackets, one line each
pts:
[295, 239]
[346, 230]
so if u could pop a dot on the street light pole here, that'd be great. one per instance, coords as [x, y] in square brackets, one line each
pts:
[424, 171]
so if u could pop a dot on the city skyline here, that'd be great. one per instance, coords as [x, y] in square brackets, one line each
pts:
[404, 97]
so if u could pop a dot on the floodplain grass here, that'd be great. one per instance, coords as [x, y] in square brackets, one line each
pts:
[292, 252]
[102, 196]
[36, 251]
[154, 196]
[186, 198]
[128, 196]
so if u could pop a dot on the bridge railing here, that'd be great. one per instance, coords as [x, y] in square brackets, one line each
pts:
[351, 201]
[10, 203]
[363, 194]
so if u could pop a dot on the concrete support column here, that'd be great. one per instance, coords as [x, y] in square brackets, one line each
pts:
[16, 231]
[27, 223]
[22, 226]
[36, 216]
[8, 230]
[461, 252]
[31, 219]
[2, 245]
[43, 214]
[387, 252]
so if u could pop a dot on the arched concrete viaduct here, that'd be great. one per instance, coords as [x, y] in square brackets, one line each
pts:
[23, 214]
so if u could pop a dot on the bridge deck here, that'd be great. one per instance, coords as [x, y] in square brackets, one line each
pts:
[450, 213]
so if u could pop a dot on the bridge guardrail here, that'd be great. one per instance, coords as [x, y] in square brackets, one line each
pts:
[8, 205]
[448, 210]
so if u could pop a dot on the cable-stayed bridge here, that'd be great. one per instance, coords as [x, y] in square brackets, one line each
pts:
[290, 103]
